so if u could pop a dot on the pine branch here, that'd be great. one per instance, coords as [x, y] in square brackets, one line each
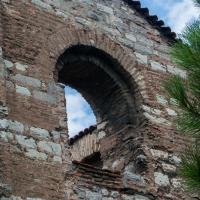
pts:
[190, 169]
[176, 89]
[189, 123]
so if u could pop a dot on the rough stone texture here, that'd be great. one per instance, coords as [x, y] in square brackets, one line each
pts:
[27, 80]
[119, 60]
[22, 90]
[6, 136]
[39, 132]
[50, 147]
[26, 142]
[21, 67]
[35, 154]
[161, 179]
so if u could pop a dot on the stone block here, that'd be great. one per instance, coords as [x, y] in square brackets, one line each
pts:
[171, 112]
[26, 80]
[161, 99]
[151, 110]
[54, 3]
[105, 9]
[141, 58]
[3, 123]
[104, 192]
[42, 96]
[5, 189]
[80, 192]
[50, 147]
[130, 37]
[102, 125]
[21, 67]
[176, 182]
[3, 110]
[28, 143]
[157, 66]
[41, 4]
[55, 135]
[62, 14]
[129, 176]
[39, 132]
[12, 198]
[141, 48]
[171, 169]
[101, 135]
[118, 165]
[174, 159]
[127, 197]
[158, 154]
[132, 177]
[10, 85]
[161, 179]
[23, 91]
[93, 195]
[140, 197]
[114, 194]
[45, 146]
[35, 154]
[6, 136]
[157, 120]
[126, 42]
[15, 126]
[143, 39]
[11, 125]
[6, 1]
[8, 64]
[57, 159]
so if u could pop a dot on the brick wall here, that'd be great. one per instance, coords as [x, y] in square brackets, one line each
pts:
[35, 158]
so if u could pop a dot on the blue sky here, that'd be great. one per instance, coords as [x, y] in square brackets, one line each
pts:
[175, 13]
[79, 112]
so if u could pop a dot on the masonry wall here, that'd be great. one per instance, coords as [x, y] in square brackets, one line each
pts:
[35, 158]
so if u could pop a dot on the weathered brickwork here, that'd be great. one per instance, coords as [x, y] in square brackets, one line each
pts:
[117, 60]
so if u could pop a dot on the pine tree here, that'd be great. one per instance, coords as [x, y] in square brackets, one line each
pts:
[186, 91]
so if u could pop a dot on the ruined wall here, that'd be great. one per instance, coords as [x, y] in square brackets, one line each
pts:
[35, 158]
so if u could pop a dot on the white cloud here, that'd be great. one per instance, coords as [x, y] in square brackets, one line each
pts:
[79, 113]
[175, 13]
[179, 14]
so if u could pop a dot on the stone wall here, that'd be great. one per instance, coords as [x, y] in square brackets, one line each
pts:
[35, 158]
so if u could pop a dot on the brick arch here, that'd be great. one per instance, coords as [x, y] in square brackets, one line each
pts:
[66, 37]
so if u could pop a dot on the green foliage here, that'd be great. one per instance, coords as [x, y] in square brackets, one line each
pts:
[189, 116]
[186, 54]
[190, 169]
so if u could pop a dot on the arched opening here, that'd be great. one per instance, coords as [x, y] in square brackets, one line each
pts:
[79, 112]
[94, 159]
[101, 80]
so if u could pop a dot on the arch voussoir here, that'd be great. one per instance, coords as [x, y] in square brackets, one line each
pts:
[70, 36]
